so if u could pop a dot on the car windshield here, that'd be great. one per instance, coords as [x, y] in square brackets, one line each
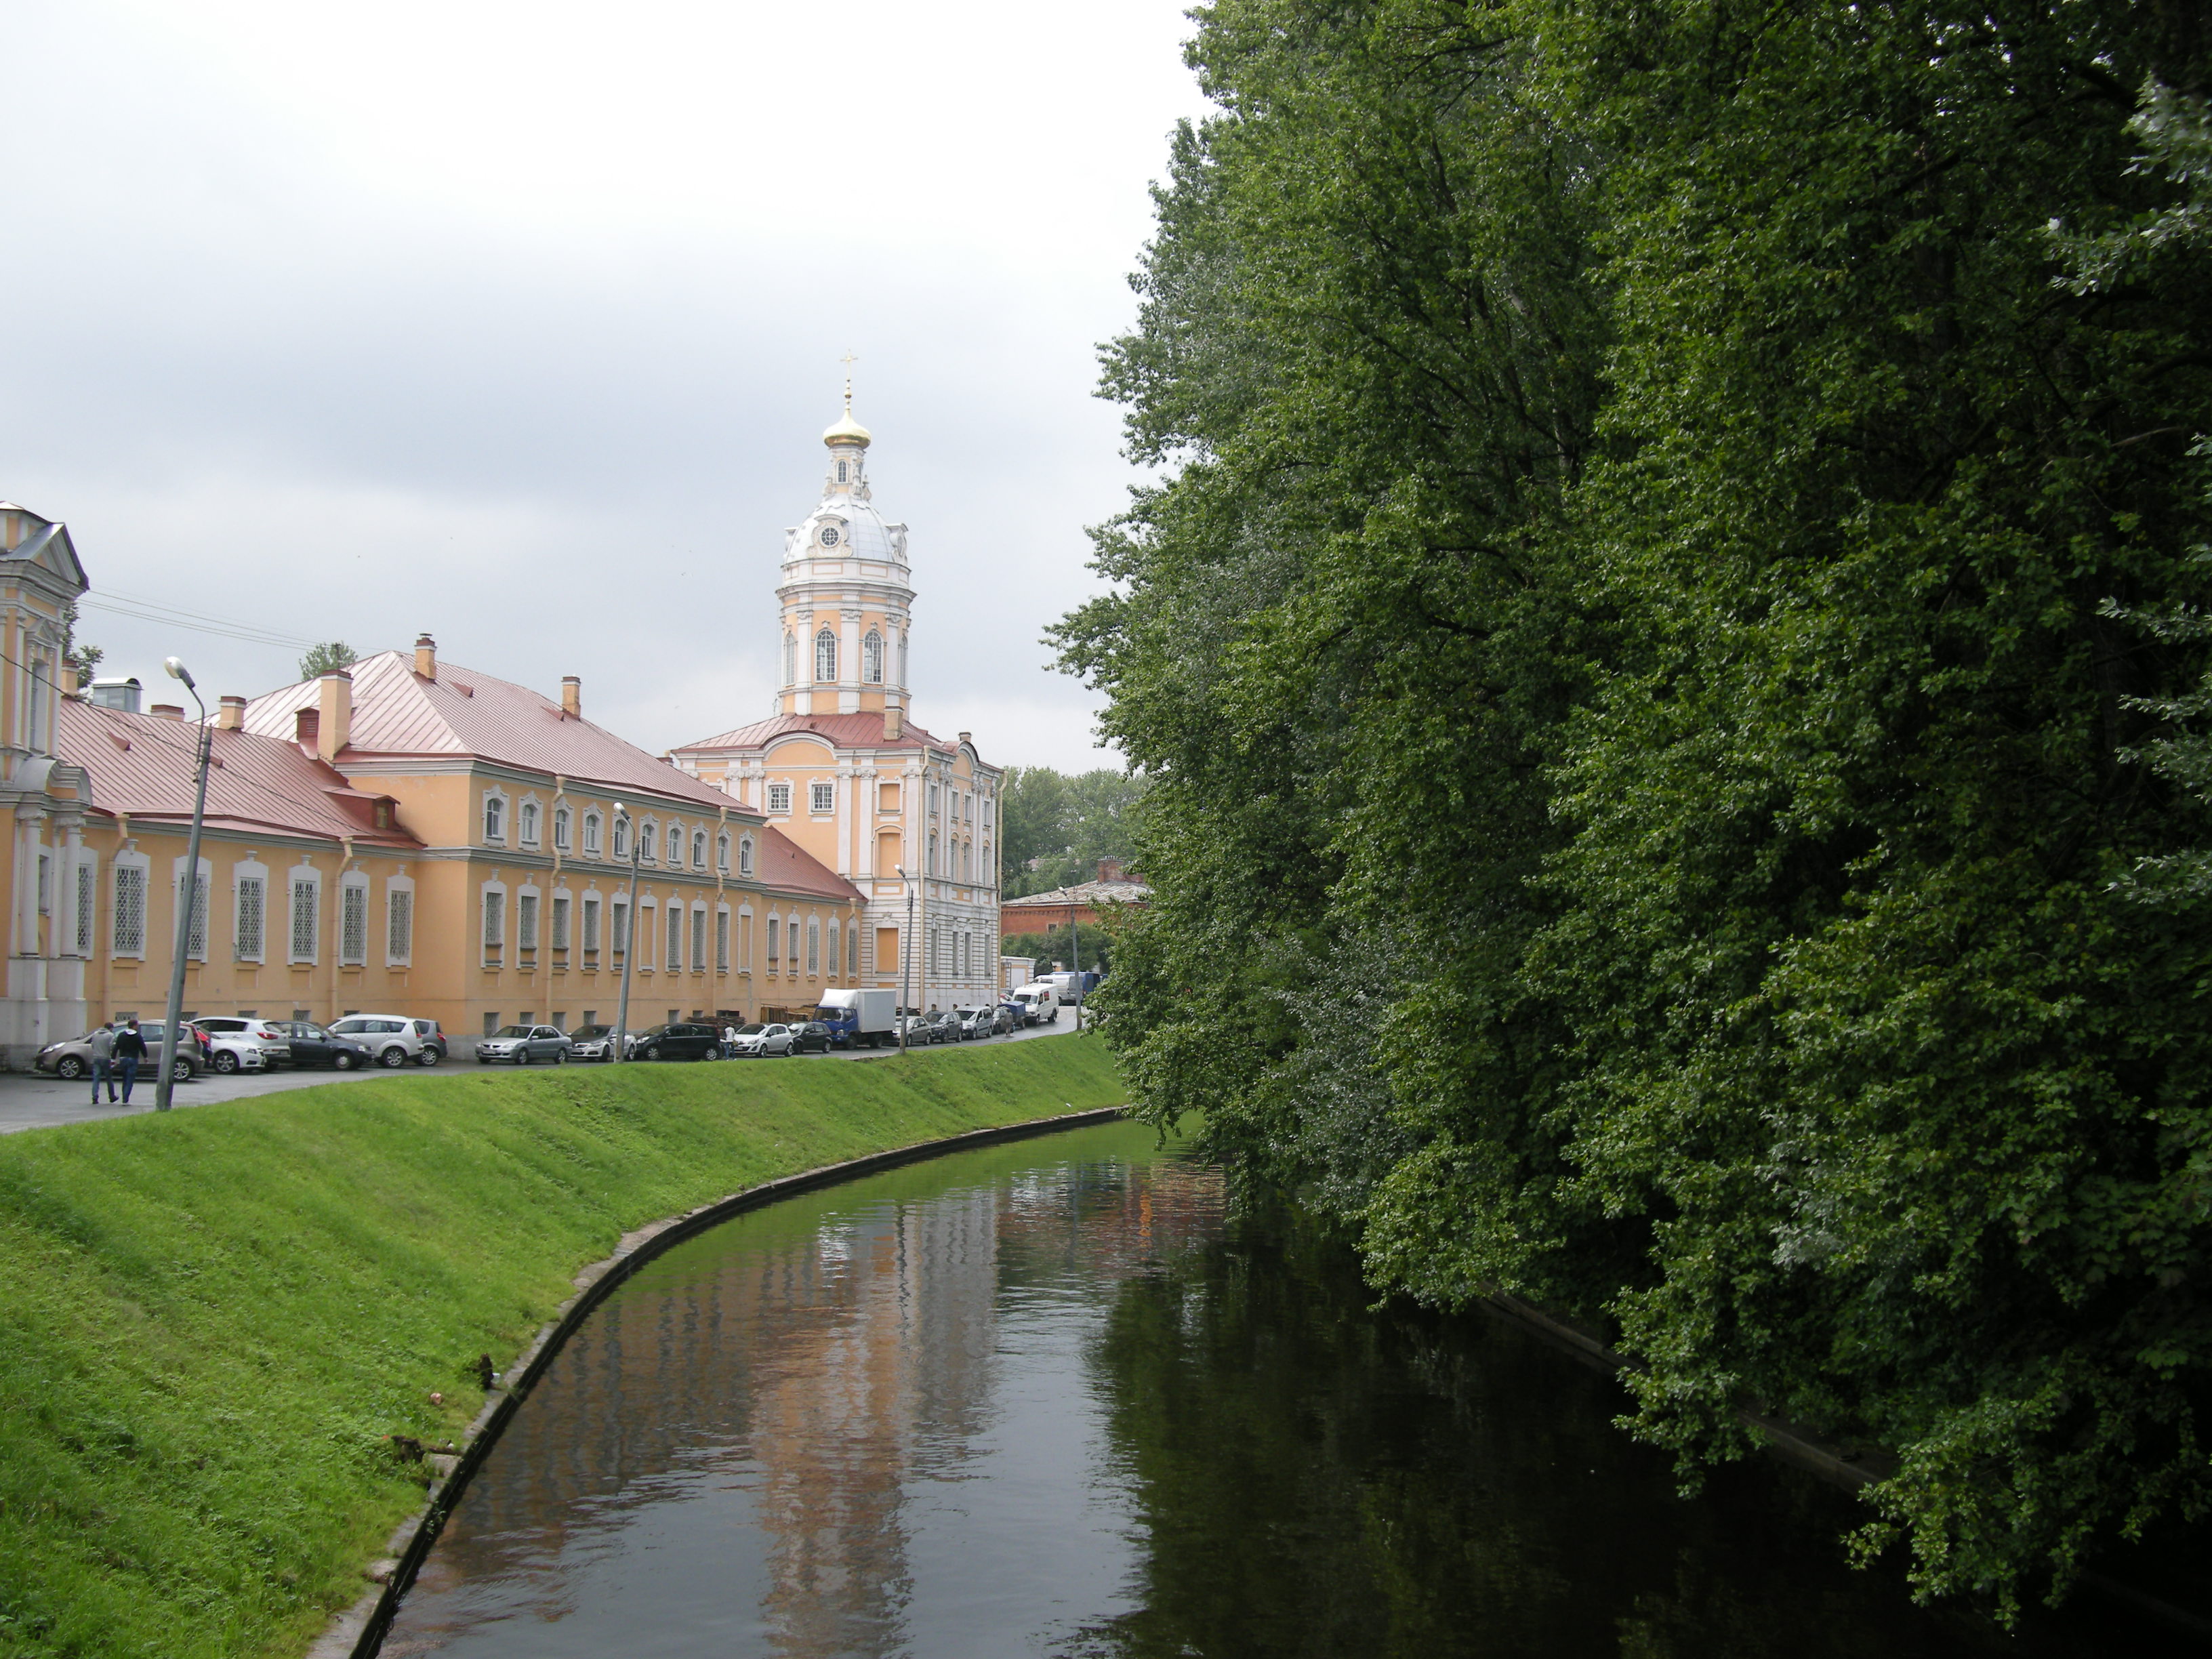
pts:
[654, 1030]
[592, 1030]
[750, 1030]
[503, 1032]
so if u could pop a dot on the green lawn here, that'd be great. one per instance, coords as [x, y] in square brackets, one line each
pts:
[210, 1320]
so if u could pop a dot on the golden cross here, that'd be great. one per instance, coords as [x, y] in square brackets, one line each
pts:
[849, 360]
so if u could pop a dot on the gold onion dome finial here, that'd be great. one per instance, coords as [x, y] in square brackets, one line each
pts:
[847, 429]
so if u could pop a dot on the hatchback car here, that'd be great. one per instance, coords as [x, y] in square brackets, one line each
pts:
[756, 1042]
[525, 1045]
[942, 1028]
[263, 1034]
[311, 1045]
[591, 1043]
[677, 1042]
[815, 1037]
[73, 1059]
[392, 1038]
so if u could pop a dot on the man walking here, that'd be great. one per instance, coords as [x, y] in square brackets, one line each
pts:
[129, 1049]
[103, 1062]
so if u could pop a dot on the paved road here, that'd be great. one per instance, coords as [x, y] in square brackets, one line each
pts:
[35, 1101]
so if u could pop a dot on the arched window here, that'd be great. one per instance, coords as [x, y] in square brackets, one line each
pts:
[591, 833]
[902, 678]
[871, 658]
[790, 657]
[722, 852]
[622, 836]
[560, 828]
[698, 849]
[745, 856]
[495, 822]
[649, 840]
[825, 655]
[527, 820]
[674, 846]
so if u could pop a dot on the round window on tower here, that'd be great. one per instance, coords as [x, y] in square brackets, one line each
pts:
[828, 534]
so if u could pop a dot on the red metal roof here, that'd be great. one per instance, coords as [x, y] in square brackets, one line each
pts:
[143, 765]
[396, 712]
[846, 730]
[783, 865]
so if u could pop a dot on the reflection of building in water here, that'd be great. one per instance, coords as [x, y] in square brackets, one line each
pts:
[818, 1370]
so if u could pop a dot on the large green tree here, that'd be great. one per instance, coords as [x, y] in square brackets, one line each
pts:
[1632, 650]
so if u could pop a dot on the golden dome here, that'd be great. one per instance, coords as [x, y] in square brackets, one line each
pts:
[846, 430]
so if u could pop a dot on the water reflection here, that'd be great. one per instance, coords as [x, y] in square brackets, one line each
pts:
[1049, 1400]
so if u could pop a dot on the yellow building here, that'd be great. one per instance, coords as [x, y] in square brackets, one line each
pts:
[409, 837]
[841, 768]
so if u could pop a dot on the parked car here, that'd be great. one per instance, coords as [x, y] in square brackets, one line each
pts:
[975, 1022]
[677, 1042]
[525, 1045]
[812, 1038]
[276, 1047]
[310, 1045]
[73, 1059]
[1010, 1018]
[238, 1051]
[591, 1043]
[941, 1028]
[757, 1040]
[392, 1038]
[434, 1036]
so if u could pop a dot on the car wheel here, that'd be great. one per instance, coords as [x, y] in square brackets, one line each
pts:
[225, 1062]
[181, 1071]
[427, 1057]
[651, 1051]
[395, 1056]
[69, 1066]
[559, 1055]
[340, 1061]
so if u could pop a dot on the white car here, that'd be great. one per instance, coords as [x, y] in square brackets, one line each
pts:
[756, 1042]
[241, 1051]
[392, 1038]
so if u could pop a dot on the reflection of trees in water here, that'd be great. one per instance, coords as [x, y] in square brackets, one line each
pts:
[1312, 1479]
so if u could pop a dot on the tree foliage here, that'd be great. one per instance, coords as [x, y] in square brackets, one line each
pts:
[327, 659]
[1065, 822]
[1638, 610]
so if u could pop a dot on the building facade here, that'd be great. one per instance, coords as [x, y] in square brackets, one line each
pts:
[841, 768]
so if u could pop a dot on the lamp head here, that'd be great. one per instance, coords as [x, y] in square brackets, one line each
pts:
[179, 671]
[620, 812]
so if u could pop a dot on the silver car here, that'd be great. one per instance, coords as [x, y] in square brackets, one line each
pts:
[394, 1039]
[591, 1043]
[525, 1045]
[756, 1041]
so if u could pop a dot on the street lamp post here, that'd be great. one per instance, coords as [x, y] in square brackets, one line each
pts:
[629, 939]
[905, 959]
[166, 1082]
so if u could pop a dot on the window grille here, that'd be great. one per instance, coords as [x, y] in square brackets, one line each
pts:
[399, 924]
[560, 921]
[495, 920]
[618, 924]
[526, 921]
[560, 829]
[252, 918]
[779, 797]
[721, 941]
[353, 922]
[826, 796]
[825, 655]
[672, 925]
[853, 951]
[813, 945]
[698, 939]
[591, 924]
[196, 941]
[305, 929]
[772, 925]
[86, 899]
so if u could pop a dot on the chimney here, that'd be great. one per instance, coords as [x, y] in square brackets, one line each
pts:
[572, 697]
[894, 723]
[170, 711]
[72, 681]
[304, 724]
[964, 737]
[1111, 870]
[334, 709]
[426, 656]
[230, 713]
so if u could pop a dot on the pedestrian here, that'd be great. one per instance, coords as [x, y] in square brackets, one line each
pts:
[129, 1049]
[103, 1062]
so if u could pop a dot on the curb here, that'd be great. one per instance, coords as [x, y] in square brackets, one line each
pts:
[358, 1632]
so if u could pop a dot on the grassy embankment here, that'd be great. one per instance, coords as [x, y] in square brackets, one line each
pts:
[210, 1320]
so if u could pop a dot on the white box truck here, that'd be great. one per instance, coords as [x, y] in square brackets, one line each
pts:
[860, 1018]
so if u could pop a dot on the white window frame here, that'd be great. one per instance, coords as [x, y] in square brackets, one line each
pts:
[398, 921]
[562, 818]
[676, 847]
[671, 924]
[528, 904]
[353, 907]
[492, 817]
[871, 658]
[529, 819]
[821, 797]
[649, 840]
[561, 919]
[623, 827]
[825, 656]
[744, 855]
[589, 929]
[698, 938]
[721, 938]
[307, 878]
[87, 876]
[813, 947]
[591, 835]
[491, 922]
[698, 849]
[779, 797]
[250, 873]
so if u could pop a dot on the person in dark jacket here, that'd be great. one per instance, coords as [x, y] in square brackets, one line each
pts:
[129, 1049]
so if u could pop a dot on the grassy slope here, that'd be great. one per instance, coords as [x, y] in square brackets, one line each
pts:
[209, 1321]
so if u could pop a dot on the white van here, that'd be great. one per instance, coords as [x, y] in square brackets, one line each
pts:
[1039, 1005]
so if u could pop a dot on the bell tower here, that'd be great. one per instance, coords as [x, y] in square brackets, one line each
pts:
[845, 600]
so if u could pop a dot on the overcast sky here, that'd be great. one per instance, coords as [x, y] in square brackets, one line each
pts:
[520, 324]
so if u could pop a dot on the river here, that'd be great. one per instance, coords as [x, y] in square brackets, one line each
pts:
[1050, 1399]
